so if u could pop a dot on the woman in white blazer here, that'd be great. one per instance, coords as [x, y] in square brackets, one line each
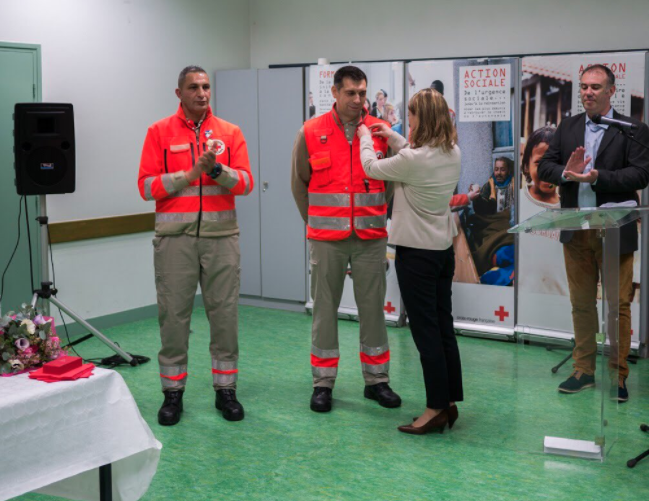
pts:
[425, 173]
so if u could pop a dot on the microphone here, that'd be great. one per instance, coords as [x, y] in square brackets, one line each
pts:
[620, 124]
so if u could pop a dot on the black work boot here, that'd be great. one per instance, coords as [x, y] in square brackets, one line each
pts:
[227, 403]
[172, 407]
[321, 399]
[383, 394]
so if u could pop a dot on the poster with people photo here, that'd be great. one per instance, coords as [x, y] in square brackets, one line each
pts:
[385, 99]
[384, 90]
[479, 94]
[550, 93]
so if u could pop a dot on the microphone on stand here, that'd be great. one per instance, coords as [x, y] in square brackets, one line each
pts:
[620, 124]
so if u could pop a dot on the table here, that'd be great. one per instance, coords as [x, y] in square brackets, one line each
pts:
[55, 436]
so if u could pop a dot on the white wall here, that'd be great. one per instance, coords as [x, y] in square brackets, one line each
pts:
[300, 31]
[118, 61]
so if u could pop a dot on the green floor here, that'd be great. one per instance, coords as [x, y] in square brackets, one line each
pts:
[283, 451]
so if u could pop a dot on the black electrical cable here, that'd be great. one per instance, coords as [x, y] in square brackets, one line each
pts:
[2, 281]
[67, 334]
[49, 241]
[29, 244]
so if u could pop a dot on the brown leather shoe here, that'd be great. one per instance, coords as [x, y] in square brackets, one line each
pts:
[453, 414]
[437, 424]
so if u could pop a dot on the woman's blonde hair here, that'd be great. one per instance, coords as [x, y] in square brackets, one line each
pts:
[435, 128]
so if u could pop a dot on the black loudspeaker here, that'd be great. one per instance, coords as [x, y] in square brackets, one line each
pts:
[44, 148]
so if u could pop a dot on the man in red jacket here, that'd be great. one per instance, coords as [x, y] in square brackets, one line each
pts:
[193, 164]
[346, 216]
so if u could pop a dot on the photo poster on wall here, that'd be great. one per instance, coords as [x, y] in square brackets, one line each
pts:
[479, 94]
[320, 99]
[550, 93]
[384, 90]
[385, 99]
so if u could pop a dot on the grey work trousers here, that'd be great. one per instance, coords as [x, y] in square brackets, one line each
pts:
[182, 262]
[329, 261]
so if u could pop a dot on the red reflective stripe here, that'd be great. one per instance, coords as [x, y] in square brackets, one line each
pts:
[211, 203]
[375, 360]
[216, 371]
[324, 362]
[175, 378]
[371, 210]
[215, 203]
[327, 234]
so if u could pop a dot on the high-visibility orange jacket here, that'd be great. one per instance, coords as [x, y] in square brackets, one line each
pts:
[206, 206]
[342, 198]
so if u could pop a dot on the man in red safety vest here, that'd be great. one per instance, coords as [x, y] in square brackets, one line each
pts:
[346, 216]
[193, 164]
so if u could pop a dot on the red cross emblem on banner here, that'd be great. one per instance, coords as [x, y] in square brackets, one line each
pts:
[389, 308]
[501, 314]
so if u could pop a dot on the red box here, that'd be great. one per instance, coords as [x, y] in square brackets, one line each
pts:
[62, 365]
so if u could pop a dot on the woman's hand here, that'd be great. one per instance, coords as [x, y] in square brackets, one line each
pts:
[381, 130]
[363, 131]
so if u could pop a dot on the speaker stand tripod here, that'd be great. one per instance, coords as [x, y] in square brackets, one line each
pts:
[48, 294]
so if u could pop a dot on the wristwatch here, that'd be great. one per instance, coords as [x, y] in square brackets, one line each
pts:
[216, 171]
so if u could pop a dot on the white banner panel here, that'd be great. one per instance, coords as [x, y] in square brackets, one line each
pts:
[485, 93]
[321, 79]
[487, 305]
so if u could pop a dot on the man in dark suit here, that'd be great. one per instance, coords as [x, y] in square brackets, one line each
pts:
[593, 165]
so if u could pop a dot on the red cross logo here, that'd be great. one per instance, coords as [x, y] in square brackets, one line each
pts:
[501, 314]
[389, 308]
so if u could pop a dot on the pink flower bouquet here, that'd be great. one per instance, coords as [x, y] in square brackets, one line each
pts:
[27, 341]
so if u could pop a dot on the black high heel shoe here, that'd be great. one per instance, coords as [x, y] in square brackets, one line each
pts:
[436, 424]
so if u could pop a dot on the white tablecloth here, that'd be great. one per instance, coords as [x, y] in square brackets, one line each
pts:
[55, 436]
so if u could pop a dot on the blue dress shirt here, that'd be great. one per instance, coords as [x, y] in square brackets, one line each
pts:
[592, 139]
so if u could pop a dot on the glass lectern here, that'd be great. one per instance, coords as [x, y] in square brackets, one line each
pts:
[581, 425]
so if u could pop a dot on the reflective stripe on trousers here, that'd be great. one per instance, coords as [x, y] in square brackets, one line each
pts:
[173, 377]
[224, 373]
[375, 360]
[324, 363]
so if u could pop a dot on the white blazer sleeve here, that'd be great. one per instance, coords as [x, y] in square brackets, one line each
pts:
[395, 168]
[396, 141]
